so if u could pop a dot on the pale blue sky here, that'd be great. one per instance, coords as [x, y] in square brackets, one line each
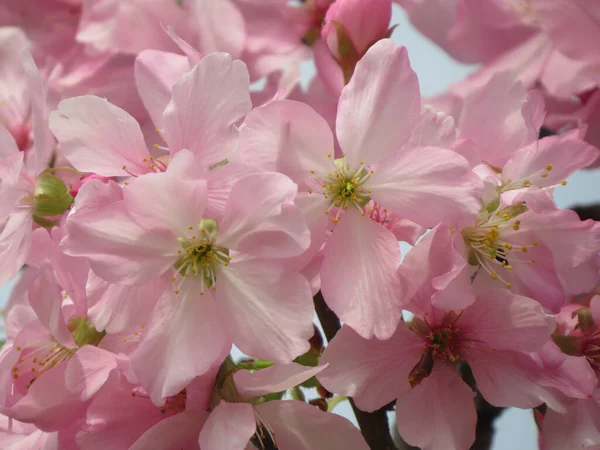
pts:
[436, 71]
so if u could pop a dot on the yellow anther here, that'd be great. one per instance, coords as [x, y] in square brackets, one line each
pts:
[563, 182]
[535, 243]
[548, 167]
[310, 191]
[508, 267]
[508, 246]
[312, 172]
[524, 249]
[494, 276]
[176, 291]
[329, 155]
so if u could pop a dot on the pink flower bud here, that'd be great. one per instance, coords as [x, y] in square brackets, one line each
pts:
[363, 22]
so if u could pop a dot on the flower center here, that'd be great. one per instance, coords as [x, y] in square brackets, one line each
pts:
[345, 187]
[264, 437]
[38, 358]
[489, 249]
[441, 341]
[200, 257]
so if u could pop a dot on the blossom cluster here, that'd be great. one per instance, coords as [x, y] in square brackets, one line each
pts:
[169, 191]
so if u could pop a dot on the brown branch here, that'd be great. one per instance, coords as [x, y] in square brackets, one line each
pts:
[374, 426]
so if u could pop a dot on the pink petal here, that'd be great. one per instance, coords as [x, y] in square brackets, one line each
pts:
[431, 176]
[328, 69]
[565, 153]
[220, 26]
[207, 102]
[39, 156]
[276, 378]
[46, 301]
[260, 218]
[435, 272]
[116, 307]
[10, 171]
[434, 128]
[175, 432]
[185, 339]
[506, 379]
[579, 17]
[359, 280]
[380, 105]
[220, 180]
[439, 413]
[48, 404]
[106, 25]
[288, 137]
[493, 118]
[504, 320]
[572, 429]
[8, 145]
[99, 137]
[155, 74]
[571, 375]
[116, 419]
[119, 250]
[169, 201]
[88, 370]
[229, 427]
[373, 372]
[257, 295]
[15, 244]
[299, 426]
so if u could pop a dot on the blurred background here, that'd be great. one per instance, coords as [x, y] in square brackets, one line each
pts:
[516, 429]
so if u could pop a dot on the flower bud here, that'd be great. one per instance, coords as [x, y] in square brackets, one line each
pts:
[51, 196]
[352, 26]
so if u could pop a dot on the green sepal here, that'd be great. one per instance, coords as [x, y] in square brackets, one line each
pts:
[348, 55]
[569, 345]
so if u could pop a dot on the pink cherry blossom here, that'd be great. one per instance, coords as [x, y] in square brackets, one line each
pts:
[417, 365]
[55, 364]
[206, 102]
[218, 265]
[377, 112]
